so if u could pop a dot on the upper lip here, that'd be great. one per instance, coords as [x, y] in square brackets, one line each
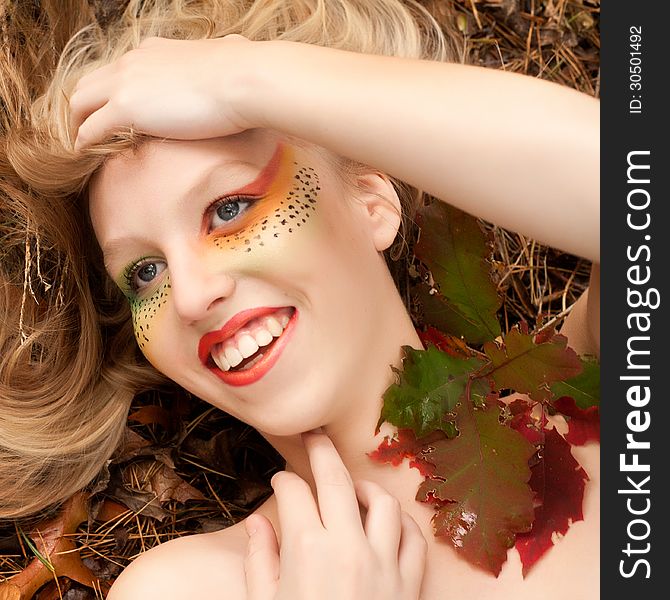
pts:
[231, 326]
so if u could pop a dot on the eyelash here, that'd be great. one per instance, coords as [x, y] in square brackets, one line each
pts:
[131, 270]
[211, 210]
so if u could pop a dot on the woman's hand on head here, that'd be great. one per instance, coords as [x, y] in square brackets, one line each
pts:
[178, 89]
[327, 551]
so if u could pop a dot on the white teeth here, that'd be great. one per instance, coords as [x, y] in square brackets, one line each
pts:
[234, 350]
[221, 361]
[273, 326]
[263, 337]
[247, 345]
[233, 356]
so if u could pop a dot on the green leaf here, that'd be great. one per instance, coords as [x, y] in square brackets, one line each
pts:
[529, 366]
[455, 249]
[429, 386]
[584, 388]
[437, 311]
[480, 484]
[43, 559]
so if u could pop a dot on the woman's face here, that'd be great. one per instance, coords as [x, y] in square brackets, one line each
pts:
[250, 275]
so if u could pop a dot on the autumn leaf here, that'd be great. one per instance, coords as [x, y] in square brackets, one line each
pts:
[55, 552]
[558, 482]
[481, 481]
[584, 388]
[455, 249]
[583, 425]
[404, 444]
[522, 421]
[131, 445]
[214, 453]
[429, 386]
[530, 366]
[108, 510]
[445, 342]
[147, 484]
[167, 485]
[151, 414]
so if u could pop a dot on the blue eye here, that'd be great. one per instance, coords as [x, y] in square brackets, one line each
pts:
[142, 273]
[228, 210]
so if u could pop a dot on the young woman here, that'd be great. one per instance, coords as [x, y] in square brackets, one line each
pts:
[239, 191]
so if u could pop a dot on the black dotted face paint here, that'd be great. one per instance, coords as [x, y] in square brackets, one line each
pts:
[279, 202]
[146, 312]
[286, 205]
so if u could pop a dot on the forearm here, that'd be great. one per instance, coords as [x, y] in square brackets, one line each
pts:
[519, 152]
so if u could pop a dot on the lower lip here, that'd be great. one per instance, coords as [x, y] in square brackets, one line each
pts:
[249, 376]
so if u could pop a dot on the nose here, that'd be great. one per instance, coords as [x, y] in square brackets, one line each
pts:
[198, 286]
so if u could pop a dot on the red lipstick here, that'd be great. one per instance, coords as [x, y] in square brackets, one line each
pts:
[247, 376]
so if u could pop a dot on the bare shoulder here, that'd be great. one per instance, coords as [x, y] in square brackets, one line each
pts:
[207, 565]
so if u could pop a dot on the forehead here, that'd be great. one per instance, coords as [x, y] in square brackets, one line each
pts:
[163, 165]
[163, 175]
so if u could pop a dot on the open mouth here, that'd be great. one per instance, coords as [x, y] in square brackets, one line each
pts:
[251, 342]
[252, 348]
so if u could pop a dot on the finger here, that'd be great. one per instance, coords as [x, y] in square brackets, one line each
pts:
[335, 489]
[412, 552]
[92, 93]
[295, 504]
[97, 127]
[383, 520]
[261, 563]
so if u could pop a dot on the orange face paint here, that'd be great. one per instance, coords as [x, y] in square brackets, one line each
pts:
[282, 199]
[285, 196]
[146, 311]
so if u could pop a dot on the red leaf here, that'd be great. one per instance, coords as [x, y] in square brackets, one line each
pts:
[525, 424]
[442, 341]
[558, 482]
[584, 425]
[405, 445]
[483, 477]
[528, 365]
[395, 450]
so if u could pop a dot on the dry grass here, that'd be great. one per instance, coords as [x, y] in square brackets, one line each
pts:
[226, 461]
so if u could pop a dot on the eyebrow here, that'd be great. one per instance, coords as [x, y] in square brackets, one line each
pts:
[257, 187]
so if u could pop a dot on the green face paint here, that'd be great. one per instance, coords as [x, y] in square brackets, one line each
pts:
[280, 201]
[146, 311]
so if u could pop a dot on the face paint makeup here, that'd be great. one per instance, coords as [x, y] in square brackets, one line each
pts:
[283, 197]
[146, 312]
[287, 197]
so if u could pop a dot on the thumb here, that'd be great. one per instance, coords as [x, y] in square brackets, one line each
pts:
[261, 564]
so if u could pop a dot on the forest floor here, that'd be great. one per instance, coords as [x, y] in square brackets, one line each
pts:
[185, 467]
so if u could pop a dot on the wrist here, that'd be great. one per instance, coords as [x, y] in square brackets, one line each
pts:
[258, 78]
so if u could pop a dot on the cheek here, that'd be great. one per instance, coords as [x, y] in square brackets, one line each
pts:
[147, 316]
[284, 215]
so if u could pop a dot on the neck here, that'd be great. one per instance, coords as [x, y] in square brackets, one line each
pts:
[352, 430]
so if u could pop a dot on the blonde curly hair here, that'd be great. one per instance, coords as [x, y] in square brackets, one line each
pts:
[69, 366]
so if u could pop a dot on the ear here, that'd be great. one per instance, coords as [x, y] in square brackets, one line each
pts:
[380, 206]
